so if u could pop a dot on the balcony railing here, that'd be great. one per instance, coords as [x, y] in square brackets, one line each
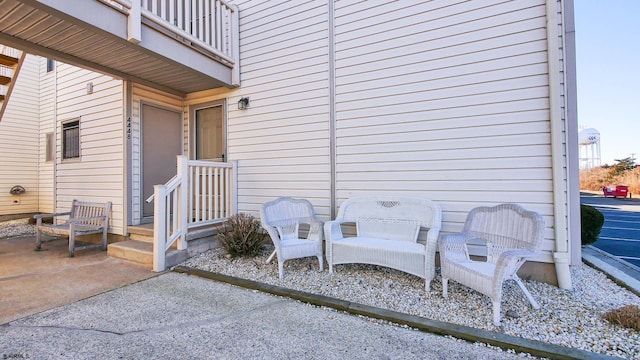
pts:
[211, 26]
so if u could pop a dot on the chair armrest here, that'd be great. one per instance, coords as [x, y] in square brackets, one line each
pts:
[454, 246]
[81, 220]
[273, 234]
[39, 217]
[510, 261]
[332, 230]
[515, 255]
[315, 230]
[44, 216]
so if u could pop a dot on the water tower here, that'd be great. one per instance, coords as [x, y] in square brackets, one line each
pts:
[589, 143]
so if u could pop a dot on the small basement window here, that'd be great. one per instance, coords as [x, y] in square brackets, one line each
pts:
[71, 140]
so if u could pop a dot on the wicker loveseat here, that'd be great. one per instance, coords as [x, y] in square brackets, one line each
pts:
[387, 232]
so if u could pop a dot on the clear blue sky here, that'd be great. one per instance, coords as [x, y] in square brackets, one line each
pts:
[608, 74]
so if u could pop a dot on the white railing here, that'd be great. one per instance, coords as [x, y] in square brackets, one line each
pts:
[211, 25]
[201, 193]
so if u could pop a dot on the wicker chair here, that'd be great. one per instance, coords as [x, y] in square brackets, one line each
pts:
[511, 234]
[282, 218]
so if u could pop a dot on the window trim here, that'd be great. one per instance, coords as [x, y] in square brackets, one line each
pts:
[192, 126]
[66, 126]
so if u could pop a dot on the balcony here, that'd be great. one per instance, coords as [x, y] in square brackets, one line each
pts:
[180, 46]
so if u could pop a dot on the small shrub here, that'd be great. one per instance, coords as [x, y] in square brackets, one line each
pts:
[627, 316]
[242, 235]
[592, 221]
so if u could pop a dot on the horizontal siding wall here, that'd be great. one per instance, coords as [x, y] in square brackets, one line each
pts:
[447, 100]
[281, 141]
[19, 142]
[99, 173]
[46, 169]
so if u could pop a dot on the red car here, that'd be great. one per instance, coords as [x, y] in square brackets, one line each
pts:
[617, 191]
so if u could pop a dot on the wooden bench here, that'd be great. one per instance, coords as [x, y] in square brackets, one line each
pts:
[84, 218]
[387, 232]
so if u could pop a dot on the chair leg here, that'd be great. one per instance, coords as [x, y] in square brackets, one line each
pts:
[321, 262]
[271, 256]
[38, 241]
[533, 301]
[496, 313]
[104, 239]
[71, 244]
[281, 269]
[445, 288]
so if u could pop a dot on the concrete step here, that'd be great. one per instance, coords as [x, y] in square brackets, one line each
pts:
[141, 251]
[141, 232]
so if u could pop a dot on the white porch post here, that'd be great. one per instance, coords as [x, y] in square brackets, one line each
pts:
[183, 197]
[134, 23]
[235, 44]
[234, 187]
[159, 226]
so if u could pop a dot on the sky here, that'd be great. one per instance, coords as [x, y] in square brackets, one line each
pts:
[608, 74]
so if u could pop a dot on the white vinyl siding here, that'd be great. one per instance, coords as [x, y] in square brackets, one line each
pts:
[150, 96]
[19, 142]
[281, 142]
[47, 126]
[445, 100]
[98, 175]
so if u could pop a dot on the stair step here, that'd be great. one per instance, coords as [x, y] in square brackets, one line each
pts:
[141, 232]
[132, 250]
[142, 253]
[139, 247]
[4, 80]
[7, 60]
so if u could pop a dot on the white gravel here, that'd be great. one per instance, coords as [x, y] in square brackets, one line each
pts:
[14, 228]
[567, 317]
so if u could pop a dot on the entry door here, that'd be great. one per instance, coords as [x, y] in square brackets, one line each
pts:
[209, 139]
[161, 142]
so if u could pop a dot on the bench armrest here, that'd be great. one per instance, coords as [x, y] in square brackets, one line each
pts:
[78, 220]
[332, 230]
[44, 216]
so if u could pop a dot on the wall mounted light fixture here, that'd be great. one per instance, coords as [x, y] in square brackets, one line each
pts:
[243, 103]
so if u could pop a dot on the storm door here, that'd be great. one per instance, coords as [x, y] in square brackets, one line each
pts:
[161, 143]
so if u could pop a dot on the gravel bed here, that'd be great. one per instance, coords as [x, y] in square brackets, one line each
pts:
[567, 317]
[15, 228]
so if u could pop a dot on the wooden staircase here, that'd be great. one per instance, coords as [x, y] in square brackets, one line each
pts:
[139, 246]
[10, 62]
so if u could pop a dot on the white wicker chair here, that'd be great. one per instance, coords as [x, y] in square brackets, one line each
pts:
[282, 218]
[512, 235]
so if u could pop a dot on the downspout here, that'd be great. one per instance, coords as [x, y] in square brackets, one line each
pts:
[571, 115]
[561, 254]
[332, 110]
[55, 138]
